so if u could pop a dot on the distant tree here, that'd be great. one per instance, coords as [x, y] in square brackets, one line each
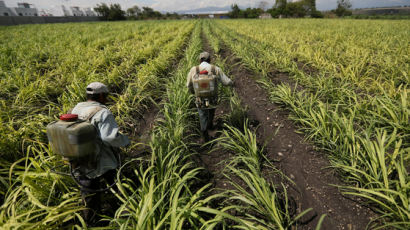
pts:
[102, 10]
[130, 12]
[149, 13]
[311, 9]
[133, 11]
[110, 13]
[280, 3]
[263, 5]
[316, 14]
[172, 16]
[311, 4]
[344, 3]
[343, 8]
[116, 13]
[252, 12]
[279, 8]
[235, 12]
[296, 9]
[248, 13]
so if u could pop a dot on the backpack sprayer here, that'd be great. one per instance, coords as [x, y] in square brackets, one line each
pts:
[204, 83]
[75, 139]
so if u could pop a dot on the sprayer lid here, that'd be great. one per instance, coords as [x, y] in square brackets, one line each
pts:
[69, 117]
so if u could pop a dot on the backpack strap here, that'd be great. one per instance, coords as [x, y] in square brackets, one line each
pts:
[213, 70]
[93, 112]
[197, 69]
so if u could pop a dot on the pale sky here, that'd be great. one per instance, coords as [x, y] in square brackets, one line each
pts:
[177, 5]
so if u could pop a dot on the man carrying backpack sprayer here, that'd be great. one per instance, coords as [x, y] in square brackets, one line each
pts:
[203, 82]
[89, 138]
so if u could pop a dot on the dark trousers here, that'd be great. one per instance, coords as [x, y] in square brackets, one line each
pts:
[206, 119]
[92, 199]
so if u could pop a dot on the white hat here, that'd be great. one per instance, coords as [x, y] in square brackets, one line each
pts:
[96, 88]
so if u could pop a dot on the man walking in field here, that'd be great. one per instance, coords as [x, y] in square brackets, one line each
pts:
[203, 82]
[88, 174]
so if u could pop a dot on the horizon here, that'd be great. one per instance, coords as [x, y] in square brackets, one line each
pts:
[54, 6]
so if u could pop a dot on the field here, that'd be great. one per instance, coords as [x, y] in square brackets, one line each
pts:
[314, 135]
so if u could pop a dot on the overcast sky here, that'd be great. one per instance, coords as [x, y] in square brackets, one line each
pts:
[176, 5]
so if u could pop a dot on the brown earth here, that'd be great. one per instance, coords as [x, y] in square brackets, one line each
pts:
[287, 150]
[140, 131]
[210, 157]
[143, 129]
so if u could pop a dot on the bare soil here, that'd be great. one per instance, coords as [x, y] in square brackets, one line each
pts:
[143, 129]
[210, 157]
[287, 150]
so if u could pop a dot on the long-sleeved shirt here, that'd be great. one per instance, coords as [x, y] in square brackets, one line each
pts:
[108, 137]
[208, 67]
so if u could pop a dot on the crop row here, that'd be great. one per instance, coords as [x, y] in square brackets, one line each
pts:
[372, 55]
[363, 124]
[155, 193]
[258, 201]
[38, 88]
[34, 195]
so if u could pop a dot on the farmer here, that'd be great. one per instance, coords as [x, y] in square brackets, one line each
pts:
[88, 173]
[203, 82]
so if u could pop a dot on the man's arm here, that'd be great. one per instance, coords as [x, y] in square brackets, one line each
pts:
[110, 132]
[224, 79]
[189, 81]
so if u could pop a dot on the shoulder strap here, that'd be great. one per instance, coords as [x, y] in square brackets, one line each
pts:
[213, 70]
[95, 111]
[197, 69]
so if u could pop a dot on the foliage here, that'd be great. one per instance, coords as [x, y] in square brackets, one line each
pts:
[27, 204]
[247, 13]
[110, 13]
[235, 12]
[348, 99]
[295, 9]
[134, 11]
[148, 12]
[259, 202]
[263, 5]
[343, 8]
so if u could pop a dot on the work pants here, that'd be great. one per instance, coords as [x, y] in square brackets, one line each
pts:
[92, 199]
[206, 119]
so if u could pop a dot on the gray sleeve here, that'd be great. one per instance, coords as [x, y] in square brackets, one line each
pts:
[189, 79]
[224, 79]
[110, 132]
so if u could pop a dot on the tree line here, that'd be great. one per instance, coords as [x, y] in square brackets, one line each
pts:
[283, 8]
[114, 12]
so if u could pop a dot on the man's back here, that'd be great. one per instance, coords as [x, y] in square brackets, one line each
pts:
[108, 137]
[208, 67]
[203, 81]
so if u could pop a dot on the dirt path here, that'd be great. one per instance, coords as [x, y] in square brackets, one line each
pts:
[295, 158]
[208, 157]
[142, 130]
